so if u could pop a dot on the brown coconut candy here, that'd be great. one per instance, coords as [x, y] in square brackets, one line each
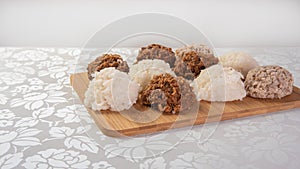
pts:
[156, 51]
[168, 94]
[189, 66]
[192, 59]
[203, 51]
[198, 48]
[107, 60]
[271, 82]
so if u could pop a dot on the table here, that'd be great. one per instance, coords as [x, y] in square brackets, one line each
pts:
[42, 124]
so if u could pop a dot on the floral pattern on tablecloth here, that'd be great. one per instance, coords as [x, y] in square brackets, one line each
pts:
[43, 125]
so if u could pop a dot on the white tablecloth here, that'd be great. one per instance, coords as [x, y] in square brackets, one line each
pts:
[42, 124]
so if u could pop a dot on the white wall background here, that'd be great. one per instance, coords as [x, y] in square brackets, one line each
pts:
[228, 23]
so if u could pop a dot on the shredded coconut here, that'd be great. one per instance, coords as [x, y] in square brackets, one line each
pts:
[143, 71]
[217, 83]
[240, 61]
[111, 89]
[269, 82]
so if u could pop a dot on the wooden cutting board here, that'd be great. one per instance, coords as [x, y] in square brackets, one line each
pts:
[116, 124]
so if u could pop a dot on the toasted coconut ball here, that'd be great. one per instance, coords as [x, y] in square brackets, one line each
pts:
[156, 51]
[111, 89]
[168, 94]
[239, 61]
[269, 82]
[189, 65]
[199, 48]
[217, 83]
[143, 71]
[203, 51]
[107, 60]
